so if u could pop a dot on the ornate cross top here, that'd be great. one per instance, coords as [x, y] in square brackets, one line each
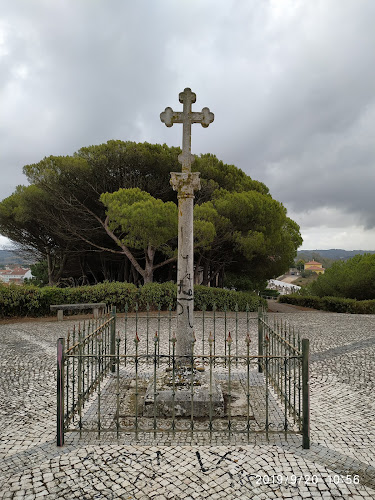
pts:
[186, 117]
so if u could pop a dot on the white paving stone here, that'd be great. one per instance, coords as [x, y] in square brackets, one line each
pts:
[342, 430]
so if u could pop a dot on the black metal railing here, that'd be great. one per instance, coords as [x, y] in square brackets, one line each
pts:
[284, 359]
[82, 363]
[123, 376]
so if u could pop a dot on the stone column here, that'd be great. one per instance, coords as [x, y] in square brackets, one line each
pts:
[185, 183]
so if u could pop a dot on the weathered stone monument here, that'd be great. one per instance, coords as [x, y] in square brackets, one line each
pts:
[185, 183]
[163, 397]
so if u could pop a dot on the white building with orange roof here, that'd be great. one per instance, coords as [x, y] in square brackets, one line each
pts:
[315, 267]
[14, 275]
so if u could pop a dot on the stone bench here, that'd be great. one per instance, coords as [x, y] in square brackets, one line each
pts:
[60, 308]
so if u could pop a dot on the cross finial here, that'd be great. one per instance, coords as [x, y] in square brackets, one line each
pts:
[188, 97]
[186, 117]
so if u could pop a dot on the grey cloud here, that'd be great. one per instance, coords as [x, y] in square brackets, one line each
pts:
[291, 87]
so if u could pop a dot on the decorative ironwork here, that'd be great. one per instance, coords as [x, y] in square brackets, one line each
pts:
[102, 377]
[284, 357]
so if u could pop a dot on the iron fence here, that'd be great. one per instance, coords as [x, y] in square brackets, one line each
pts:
[112, 381]
[284, 359]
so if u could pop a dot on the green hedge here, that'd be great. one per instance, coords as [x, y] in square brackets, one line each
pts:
[269, 292]
[29, 300]
[207, 297]
[35, 301]
[332, 304]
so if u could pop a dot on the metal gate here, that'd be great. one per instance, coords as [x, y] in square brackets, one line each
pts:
[105, 378]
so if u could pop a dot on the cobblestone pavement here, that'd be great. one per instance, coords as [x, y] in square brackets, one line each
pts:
[340, 463]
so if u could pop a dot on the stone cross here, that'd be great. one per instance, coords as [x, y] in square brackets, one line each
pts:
[185, 183]
[186, 117]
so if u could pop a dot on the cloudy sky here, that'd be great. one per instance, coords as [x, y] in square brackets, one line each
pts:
[291, 83]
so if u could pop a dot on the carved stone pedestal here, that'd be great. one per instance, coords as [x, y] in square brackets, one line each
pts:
[161, 399]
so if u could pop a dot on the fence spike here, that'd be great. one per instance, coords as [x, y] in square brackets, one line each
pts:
[210, 338]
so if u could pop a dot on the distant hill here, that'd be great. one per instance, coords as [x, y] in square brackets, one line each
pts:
[334, 253]
[10, 257]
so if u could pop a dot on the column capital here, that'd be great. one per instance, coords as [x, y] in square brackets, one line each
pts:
[185, 183]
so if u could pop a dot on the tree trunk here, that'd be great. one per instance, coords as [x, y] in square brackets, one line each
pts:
[148, 275]
[63, 259]
[221, 278]
[214, 276]
[103, 264]
[126, 270]
[82, 265]
[197, 270]
[92, 273]
[49, 267]
[205, 272]
[134, 274]
[170, 272]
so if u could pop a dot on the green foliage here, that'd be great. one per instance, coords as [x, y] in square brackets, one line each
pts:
[39, 270]
[19, 301]
[241, 282]
[205, 220]
[268, 292]
[300, 263]
[29, 300]
[208, 297]
[353, 279]
[304, 301]
[307, 273]
[221, 175]
[332, 304]
[303, 282]
[142, 219]
[238, 226]
[253, 229]
[157, 294]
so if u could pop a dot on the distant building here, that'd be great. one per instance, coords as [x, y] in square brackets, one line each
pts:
[315, 267]
[14, 275]
[282, 286]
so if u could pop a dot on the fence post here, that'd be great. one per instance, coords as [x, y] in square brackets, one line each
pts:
[113, 339]
[260, 340]
[60, 391]
[305, 395]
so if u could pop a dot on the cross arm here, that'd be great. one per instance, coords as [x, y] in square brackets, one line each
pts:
[204, 117]
[169, 117]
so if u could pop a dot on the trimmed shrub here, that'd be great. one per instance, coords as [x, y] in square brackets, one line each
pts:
[205, 296]
[155, 294]
[35, 301]
[332, 304]
[269, 292]
[303, 301]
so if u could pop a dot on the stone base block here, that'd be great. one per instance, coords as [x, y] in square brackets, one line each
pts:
[206, 395]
